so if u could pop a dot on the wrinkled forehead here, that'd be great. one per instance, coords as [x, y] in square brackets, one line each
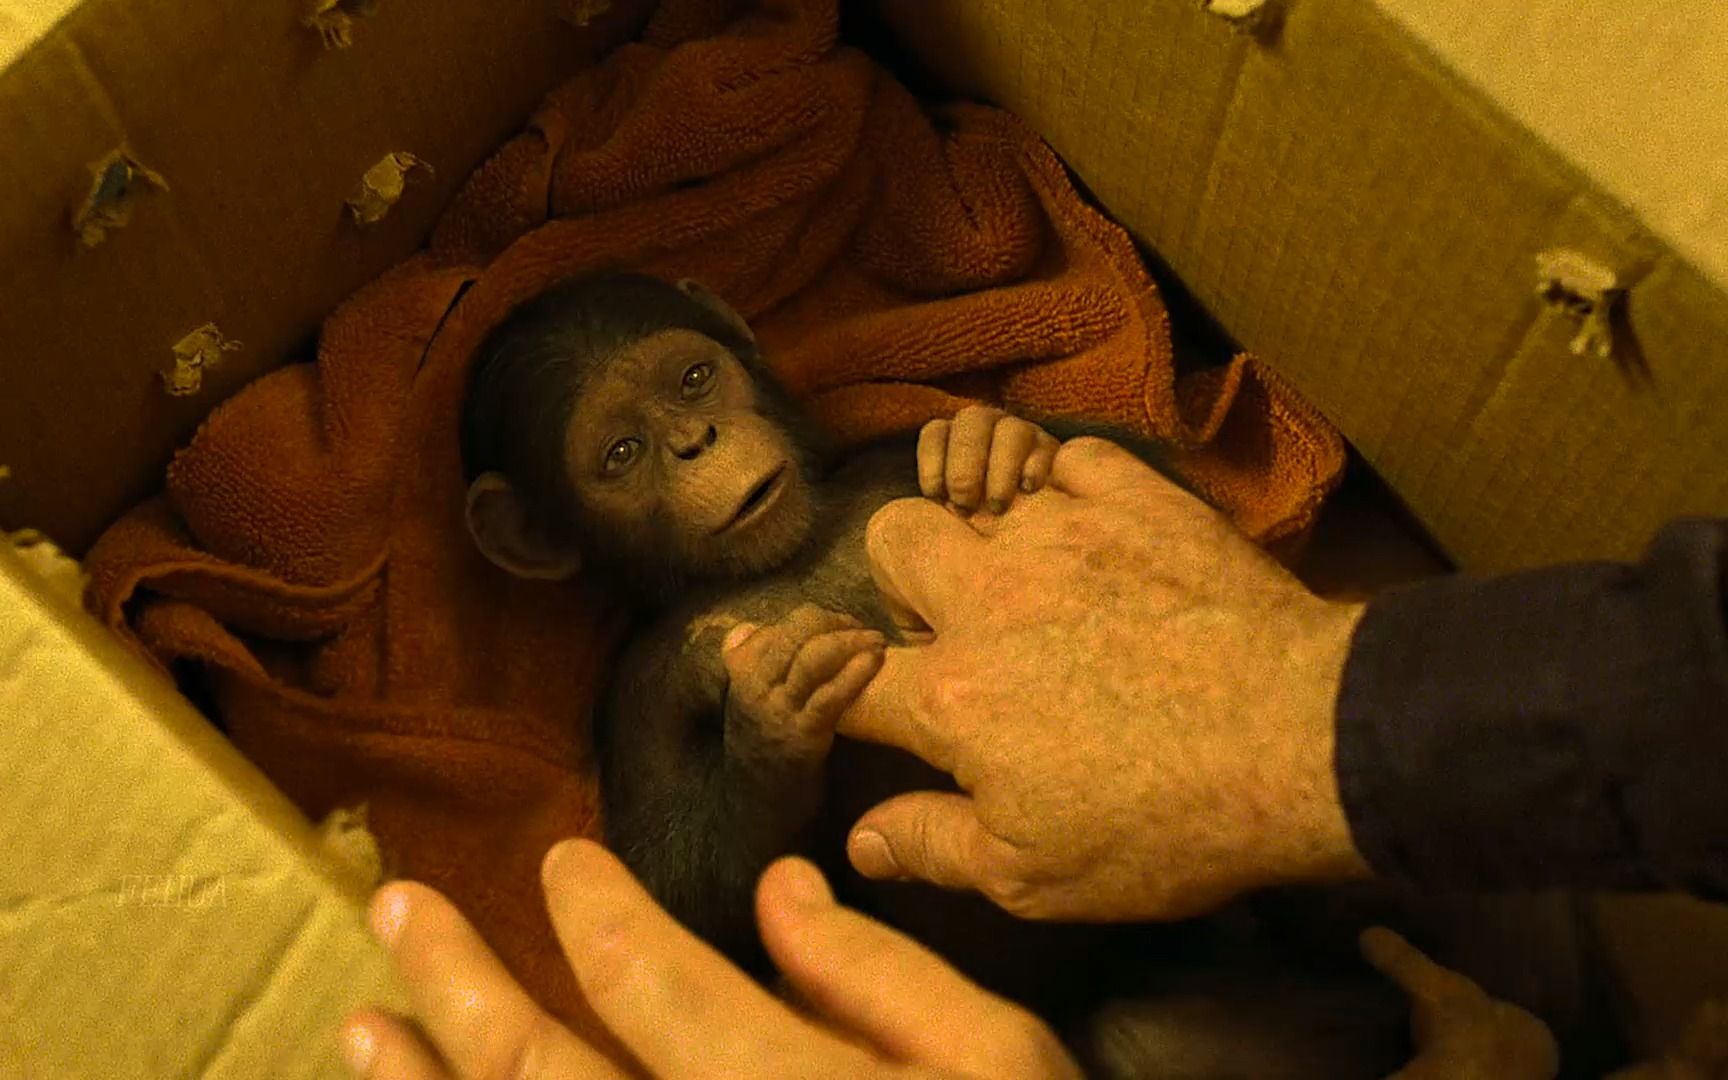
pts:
[647, 370]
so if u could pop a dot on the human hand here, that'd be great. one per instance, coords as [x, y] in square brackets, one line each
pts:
[882, 1005]
[1134, 699]
[983, 457]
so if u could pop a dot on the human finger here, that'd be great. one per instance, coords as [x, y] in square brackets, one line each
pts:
[969, 455]
[378, 1046]
[680, 1007]
[931, 836]
[926, 564]
[890, 710]
[1011, 444]
[871, 980]
[832, 697]
[1090, 467]
[475, 1013]
[933, 458]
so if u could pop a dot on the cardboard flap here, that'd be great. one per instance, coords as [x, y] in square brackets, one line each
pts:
[163, 910]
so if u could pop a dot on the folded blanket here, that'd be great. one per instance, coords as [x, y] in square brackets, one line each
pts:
[308, 553]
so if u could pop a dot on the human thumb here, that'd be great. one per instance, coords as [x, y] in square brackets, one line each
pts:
[925, 563]
[927, 836]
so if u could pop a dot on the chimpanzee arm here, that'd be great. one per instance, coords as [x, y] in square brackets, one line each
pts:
[708, 777]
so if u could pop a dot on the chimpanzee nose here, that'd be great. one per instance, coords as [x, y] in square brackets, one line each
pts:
[688, 441]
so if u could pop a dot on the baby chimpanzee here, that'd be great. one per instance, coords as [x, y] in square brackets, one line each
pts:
[625, 426]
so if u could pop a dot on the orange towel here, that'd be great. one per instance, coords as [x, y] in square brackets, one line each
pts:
[308, 552]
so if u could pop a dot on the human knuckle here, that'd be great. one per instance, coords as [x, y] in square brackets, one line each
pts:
[946, 694]
[1087, 445]
[920, 842]
[610, 966]
[529, 1056]
[886, 526]
[1024, 1045]
[1010, 891]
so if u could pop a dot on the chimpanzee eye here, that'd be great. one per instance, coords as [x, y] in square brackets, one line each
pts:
[620, 454]
[696, 377]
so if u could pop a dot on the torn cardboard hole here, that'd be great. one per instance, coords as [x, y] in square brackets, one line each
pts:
[334, 20]
[58, 570]
[345, 836]
[581, 12]
[1585, 291]
[115, 182]
[382, 186]
[197, 351]
[1255, 17]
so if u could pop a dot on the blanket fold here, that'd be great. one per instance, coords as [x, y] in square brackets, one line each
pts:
[308, 553]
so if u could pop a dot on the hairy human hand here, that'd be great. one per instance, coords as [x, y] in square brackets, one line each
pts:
[881, 1004]
[1134, 699]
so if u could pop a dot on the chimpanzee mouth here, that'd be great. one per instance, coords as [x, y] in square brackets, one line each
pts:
[759, 499]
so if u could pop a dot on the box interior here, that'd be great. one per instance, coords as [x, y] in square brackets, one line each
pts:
[1357, 191]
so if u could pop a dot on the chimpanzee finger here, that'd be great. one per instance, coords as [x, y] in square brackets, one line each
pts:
[969, 455]
[761, 662]
[933, 458]
[832, 697]
[1036, 472]
[1010, 445]
[822, 657]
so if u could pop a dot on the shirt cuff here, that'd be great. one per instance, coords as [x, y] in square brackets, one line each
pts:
[1565, 727]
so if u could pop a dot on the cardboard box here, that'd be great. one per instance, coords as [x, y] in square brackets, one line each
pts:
[1369, 193]
[1366, 192]
[247, 138]
[164, 911]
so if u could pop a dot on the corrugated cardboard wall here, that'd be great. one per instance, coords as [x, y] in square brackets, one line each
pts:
[1636, 93]
[164, 912]
[1355, 213]
[261, 134]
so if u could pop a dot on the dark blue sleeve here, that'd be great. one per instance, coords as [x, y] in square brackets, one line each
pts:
[1565, 727]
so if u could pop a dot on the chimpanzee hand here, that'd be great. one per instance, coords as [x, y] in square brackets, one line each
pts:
[1459, 1030]
[982, 457]
[791, 680]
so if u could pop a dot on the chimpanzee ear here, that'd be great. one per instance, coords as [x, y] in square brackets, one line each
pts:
[709, 299]
[501, 530]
